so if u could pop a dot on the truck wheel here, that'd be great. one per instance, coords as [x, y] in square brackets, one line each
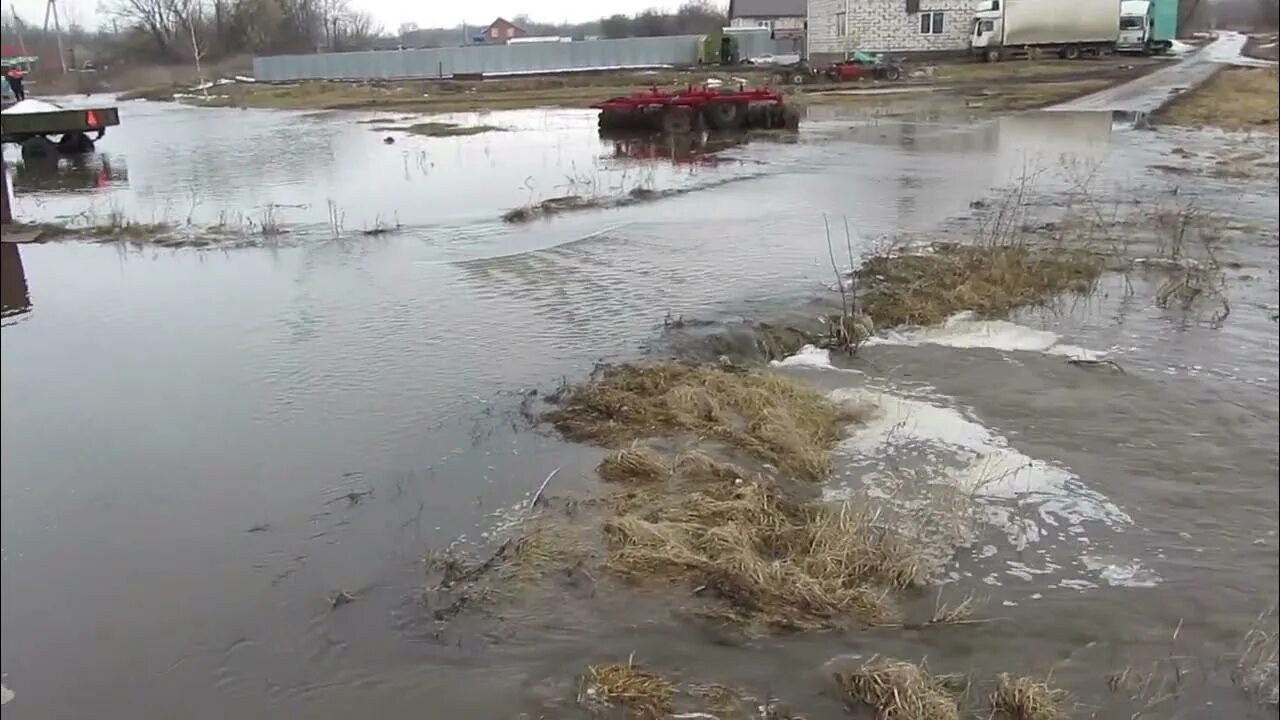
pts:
[75, 143]
[992, 55]
[798, 79]
[1071, 52]
[892, 73]
[38, 146]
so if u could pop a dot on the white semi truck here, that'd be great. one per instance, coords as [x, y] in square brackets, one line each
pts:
[1069, 28]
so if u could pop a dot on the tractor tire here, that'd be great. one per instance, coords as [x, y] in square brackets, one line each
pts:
[38, 146]
[784, 117]
[758, 116]
[677, 120]
[725, 116]
[75, 143]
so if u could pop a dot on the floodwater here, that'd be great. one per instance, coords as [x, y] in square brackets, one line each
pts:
[203, 446]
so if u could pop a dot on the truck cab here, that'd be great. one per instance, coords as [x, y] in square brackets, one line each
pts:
[987, 35]
[1136, 26]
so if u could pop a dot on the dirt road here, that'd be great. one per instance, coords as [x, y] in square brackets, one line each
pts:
[1146, 94]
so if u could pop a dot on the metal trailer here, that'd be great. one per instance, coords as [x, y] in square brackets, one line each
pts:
[1069, 28]
[693, 108]
[73, 127]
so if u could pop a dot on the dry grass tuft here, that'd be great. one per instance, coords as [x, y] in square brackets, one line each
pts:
[989, 279]
[1234, 99]
[1026, 698]
[644, 693]
[900, 691]
[770, 558]
[700, 467]
[774, 418]
[957, 614]
[636, 464]
[1256, 670]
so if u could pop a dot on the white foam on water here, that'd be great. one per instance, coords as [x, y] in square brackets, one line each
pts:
[1028, 499]
[1119, 572]
[808, 356]
[1077, 584]
[964, 330]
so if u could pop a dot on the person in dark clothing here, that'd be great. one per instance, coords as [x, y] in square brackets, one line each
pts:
[14, 76]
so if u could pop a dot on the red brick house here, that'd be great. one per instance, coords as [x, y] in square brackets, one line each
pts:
[502, 30]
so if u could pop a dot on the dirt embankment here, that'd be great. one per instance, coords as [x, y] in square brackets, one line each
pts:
[1001, 87]
[1237, 99]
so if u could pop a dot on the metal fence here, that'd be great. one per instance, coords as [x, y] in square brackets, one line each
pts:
[497, 59]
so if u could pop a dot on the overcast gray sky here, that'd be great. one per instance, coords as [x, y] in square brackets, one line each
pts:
[391, 13]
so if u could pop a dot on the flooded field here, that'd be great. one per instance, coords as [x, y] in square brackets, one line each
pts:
[228, 454]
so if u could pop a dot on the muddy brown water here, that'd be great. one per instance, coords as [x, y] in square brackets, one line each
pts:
[203, 446]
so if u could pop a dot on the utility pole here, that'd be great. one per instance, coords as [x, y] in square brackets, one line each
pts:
[51, 9]
[17, 29]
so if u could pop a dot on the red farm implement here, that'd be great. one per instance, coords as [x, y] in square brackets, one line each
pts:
[692, 108]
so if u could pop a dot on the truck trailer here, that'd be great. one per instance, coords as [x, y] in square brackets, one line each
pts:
[1068, 28]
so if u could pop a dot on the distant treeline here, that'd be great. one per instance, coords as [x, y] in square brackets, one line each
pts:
[180, 31]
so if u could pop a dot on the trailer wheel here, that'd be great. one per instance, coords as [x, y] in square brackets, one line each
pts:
[38, 146]
[992, 55]
[1071, 52]
[75, 143]
[677, 120]
[786, 117]
[725, 116]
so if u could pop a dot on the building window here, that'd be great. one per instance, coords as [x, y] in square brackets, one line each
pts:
[842, 24]
[931, 23]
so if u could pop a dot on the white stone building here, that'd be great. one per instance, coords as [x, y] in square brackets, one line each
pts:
[784, 18]
[890, 26]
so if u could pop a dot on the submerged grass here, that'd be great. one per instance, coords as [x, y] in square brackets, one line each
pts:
[768, 557]
[924, 288]
[900, 690]
[773, 418]
[756, 547]
[1026, 698]
[632, 465]
[1235, 99]
[645, 694]
[439, 129]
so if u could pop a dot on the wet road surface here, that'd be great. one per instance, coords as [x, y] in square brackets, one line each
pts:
[1147, 93]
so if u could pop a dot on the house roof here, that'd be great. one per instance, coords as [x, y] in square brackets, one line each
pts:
[504, 21]
[767, 8]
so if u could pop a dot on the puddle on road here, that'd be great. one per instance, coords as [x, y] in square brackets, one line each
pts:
[185, 429]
